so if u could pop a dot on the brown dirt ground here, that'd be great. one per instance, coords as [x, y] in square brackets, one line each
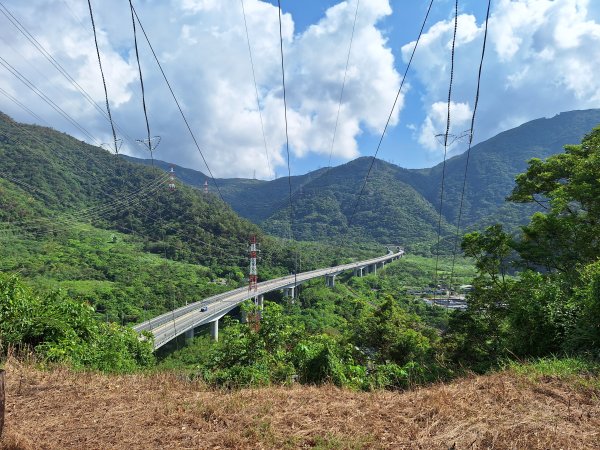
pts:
[60, 409]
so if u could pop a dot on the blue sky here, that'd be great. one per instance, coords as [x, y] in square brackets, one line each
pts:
[399, 28]
[542, 59]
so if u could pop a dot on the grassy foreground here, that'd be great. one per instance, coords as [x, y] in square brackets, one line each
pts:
[549, 404]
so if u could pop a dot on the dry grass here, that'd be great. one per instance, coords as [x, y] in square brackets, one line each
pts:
[60, 409]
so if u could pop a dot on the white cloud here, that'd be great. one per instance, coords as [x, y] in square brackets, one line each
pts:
[432, 134]
[202, 45]
[541, 59]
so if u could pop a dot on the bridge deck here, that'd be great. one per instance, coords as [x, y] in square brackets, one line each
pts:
[174, 323]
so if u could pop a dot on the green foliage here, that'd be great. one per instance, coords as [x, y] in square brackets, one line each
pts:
[567, 234]
[538, 313]
[63, 330]
[585, 334]
[582, 372]
[396, 335]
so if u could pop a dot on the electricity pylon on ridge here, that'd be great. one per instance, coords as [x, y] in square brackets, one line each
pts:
[149, 144]
[172, 179]
[116, 146]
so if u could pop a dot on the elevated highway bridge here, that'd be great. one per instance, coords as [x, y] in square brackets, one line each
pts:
[208, 311]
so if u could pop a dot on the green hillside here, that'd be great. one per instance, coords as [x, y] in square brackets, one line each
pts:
[110, 232]
[389, 211]
[493, 165]
[401, 205]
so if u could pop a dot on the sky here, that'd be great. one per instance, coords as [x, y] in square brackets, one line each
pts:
[542, 58]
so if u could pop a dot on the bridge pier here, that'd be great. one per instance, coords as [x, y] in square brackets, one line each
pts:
[214, 330]
[289, 292]
[330, 280]
[261, 302]
[373, 268]
[189, 335]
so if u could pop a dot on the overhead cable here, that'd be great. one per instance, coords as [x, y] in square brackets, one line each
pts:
[439, 230]
[287, 139]
[177, 102]
[112, 125]
[476, 103]
[389, 116]
[337, 117]
[60, 68]
[262, 128]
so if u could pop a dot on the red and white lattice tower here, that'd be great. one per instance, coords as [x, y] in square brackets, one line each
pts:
[206, 186]
[172, 179]
[253, 273]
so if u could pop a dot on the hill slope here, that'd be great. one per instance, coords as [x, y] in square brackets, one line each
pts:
[109, 232]
[494, 163]
[161, 411]
[400, 205]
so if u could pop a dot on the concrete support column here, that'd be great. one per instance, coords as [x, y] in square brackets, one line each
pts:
[214, 330]
[189, 335]
[330, 280]
[373, 268]
[261, 302]
[289, 292]
[244, 316]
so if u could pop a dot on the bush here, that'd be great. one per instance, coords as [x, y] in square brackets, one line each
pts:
[63, 330]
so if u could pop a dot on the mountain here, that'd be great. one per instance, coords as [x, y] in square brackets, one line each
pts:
[401, 205]
[69, 181]
[494, 163]
[111, 232]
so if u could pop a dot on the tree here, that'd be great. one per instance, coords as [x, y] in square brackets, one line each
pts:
[567, 185]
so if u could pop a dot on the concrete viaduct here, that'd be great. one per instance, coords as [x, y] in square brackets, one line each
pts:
[183, 320]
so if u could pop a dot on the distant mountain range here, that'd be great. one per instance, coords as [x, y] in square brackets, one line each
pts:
[401, 205]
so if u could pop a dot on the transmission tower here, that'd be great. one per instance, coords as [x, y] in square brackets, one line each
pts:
[150, 145]
[206, 186]
[253, 273]
[172, 179]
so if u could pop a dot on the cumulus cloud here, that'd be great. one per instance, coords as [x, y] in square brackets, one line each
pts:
[541, 59]
[202, 44]
[432, 134]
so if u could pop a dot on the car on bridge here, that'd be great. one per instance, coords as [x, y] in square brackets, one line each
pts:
[204, 309]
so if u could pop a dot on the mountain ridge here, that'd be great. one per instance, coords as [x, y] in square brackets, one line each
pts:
[324, 199]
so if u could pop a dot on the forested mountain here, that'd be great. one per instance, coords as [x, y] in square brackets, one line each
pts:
[400, 205]
[493, 165]
[66, 180]
[112, 233]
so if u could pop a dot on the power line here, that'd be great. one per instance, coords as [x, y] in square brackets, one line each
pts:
[262, 128]
[389, 116]
[287, 139]
[23, 79]
[439, 231]
[337, 118]
[462, 195]
[18, 103]
[137, 57]
[112, 126]
[36, 43]
[177, 102]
